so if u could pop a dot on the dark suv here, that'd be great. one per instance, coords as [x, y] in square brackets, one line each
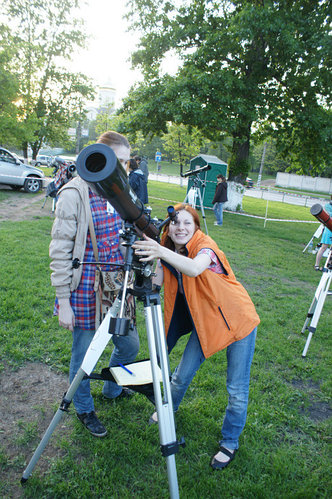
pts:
[17, 174]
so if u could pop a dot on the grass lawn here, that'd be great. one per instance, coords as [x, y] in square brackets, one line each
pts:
[285, 446]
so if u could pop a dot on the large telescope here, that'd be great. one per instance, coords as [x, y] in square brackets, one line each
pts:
[318, 211]
[98, 166]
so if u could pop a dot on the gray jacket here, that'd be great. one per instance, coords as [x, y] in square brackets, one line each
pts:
[144, 167]
[69, 234]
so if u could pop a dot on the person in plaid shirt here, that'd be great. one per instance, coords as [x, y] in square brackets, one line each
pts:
[75, 303]
[61, 176]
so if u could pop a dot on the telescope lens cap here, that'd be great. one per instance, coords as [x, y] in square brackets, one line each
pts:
[316, 209]
[96, 162]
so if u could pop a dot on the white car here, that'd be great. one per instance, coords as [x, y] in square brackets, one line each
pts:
[17, 174]
[42, 160]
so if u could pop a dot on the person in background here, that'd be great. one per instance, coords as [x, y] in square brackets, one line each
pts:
[143, 165]
[75, 303]
[220, 197]
[202, 298]
[326, 239]
[137, 181]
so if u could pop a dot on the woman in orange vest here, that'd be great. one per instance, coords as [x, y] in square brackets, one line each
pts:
[203, 297]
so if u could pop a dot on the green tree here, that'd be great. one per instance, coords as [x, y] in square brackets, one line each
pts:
[182, 143]
[243, 63]
[107, 120]
[273, 162]
[44, 35]
[147, 145]
[8, 90]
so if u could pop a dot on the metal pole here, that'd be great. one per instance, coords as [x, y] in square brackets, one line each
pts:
[267, 205]
[261, 167]
[164, 405]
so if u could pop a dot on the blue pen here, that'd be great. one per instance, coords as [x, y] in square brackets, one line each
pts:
[126, 369]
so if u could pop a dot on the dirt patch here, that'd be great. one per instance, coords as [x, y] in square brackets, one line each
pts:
[29, 399]
[21, 205]
[318, 410]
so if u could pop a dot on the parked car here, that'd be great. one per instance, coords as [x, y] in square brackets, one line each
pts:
[17, 175]
[42, 160]
[21, 160]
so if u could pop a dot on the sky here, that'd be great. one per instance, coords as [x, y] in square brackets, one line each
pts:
[108, 46]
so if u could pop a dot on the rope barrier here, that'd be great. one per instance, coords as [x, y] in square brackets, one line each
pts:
[250, 216]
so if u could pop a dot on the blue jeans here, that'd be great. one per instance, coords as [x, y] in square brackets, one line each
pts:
[218, 208]
[125, 350]
[239, 358]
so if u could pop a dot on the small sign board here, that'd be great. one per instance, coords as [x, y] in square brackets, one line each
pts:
[158, 156]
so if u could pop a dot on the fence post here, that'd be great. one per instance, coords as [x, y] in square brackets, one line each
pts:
[267, 205]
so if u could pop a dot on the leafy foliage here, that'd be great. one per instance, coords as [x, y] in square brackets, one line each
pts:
[49, 97]
[243, 64]
[8, 89]
[182, 143]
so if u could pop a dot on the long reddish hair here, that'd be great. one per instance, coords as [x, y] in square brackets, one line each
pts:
[165, 239]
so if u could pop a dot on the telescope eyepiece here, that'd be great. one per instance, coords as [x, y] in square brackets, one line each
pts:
[172, 213]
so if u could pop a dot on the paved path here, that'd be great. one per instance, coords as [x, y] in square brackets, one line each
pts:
[283, 197]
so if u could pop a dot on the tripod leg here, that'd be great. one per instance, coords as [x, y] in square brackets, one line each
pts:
[309, 314]
[54, 423]
[312, 307]
[44, 202]
[310, 242]
[164, 405]
[96, 348]
[202, 209]
[317, 307]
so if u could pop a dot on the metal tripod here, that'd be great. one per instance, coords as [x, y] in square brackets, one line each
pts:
[316, 234]
[115, 323]
[192, 195]
[317, 304]
[53, 203]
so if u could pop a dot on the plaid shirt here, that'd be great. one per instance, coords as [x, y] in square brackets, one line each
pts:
[60, 177]
[107, 226]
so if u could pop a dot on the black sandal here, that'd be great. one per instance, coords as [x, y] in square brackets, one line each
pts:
[317, 267]
[218, 465]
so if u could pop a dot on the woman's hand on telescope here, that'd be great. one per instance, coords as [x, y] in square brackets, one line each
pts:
[147, 249]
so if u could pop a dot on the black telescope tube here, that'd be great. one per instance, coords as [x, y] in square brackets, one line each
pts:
[318, 211]
[98, 166]
[201, 169]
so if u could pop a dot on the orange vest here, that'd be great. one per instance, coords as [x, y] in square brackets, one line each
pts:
[220, 307]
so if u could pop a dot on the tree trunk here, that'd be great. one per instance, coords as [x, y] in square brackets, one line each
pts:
[78, 137]
[235, 192]
[239, 161]
[25, 151]
[35, 150]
